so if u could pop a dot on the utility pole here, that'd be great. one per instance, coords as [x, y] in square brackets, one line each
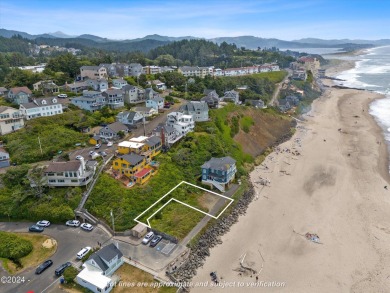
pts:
[144, 124]
[113, 222]
[40, 145]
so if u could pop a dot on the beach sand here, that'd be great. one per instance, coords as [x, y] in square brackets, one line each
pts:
[334, 188]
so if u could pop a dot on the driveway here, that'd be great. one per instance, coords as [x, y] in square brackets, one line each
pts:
[70, 240]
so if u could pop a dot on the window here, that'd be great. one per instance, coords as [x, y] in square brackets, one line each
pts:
[61, 180]
[50, 174]
[52, 180]
[74, 180]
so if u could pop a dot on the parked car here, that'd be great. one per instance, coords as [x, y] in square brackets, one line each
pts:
[155, 240]
[43, 266]
[36, 228]
[148, 237]
[91, 153]
[60, 270]
[109, 143]
[43, 223]
[62, 96]
[79, 157]
[103, 154]
[83, 252]
[86, 226]
[73, 223]
[98, 146]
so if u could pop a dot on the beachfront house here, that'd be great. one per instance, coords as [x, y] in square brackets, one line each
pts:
[11, 119]
[42, 107]
[97, 271]
[198, 110]
[219, 172]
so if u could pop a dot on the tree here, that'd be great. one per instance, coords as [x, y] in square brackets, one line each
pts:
[70, 274]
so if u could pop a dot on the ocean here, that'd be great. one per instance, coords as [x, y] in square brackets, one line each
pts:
[372, 72]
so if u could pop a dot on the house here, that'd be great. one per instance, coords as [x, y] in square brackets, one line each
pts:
[95, 139]
[152, 147]
[195, 71]
[119, 83]
[76, 87]
[93, 72]
[168, 68]
[168, 134]
[152, 69]
[41, 107]
[139, 231]
[114, 98]
[90, 101]
[310, 63]
[99, 268]
[159, 85]
[129, 117]
[11, 119]
[284, 105]
[3, 91]
[211, 98]
[47, 87]
[111, 131]
[299, 75]
[149, 147]
[219, 172]
[255, 103]
[99, 84]
[292, 100]
[153, 99]
[71, 173]
[180, 122]
[232, 96]
[145, 111]
[135, 69]
[4, 158]
[129, 164]
[133, 94]
[110, 68]
[198, 110]
[19, 95]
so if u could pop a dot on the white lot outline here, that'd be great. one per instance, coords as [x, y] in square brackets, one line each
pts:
[196, 209]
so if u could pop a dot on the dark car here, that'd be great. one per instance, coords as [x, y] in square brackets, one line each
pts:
[60, 270]
[155, 240]
[43, 266]
[36, 228]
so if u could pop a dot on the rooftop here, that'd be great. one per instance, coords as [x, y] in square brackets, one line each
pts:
[223, 163]
[132, 158]
[142, 173]
[63, 166]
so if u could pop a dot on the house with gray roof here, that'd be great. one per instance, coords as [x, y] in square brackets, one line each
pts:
[11, 119]
[167, 133]
[76, 87]
[211, 98]
[47, 87]
[255, 103]
[219, 172]
[119, 83]
[153, 99]
[111, 131]
[99, 84]
[133, 94]
[129, 118]
[90, 101]
[19, 95]
[284, 105]
[198, 110]
[133, 159]
[3, 91]
[145, 111]
[114, 98]
[232, 96]
[42, 107]
[98, 269]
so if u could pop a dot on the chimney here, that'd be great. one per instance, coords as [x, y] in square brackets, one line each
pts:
[162, 135]
[81, 159]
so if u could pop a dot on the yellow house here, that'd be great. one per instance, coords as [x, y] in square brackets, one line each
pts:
[142, 145]
[152, 147]
[95, 139]
[129, 164]
[127, 147]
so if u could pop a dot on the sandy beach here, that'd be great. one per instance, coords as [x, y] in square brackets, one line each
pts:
[329, 179]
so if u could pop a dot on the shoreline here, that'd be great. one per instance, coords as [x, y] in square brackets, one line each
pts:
[334, 188]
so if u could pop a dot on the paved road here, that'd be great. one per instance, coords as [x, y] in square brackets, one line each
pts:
[70, 240]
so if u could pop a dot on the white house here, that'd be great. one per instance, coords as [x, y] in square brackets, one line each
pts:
[133, 94]
[180, 122]
[42, 107]
[145, 111]
[71, 173]
[129, 117]
[99, 268]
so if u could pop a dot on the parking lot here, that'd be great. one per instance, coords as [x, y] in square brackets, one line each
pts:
[70, 240]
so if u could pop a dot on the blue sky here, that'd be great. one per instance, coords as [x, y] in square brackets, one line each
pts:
[120, 19]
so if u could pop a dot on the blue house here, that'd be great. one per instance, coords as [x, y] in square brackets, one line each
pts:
[219, 172]
[90, 101]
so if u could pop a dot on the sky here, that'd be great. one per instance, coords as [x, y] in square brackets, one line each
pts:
[128, 19]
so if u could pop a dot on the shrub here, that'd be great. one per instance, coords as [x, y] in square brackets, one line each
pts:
[14, 247]
[70, 274]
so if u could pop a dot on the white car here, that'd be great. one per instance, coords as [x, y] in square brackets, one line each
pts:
[86, 226]
[148, 237]
[63, 96]
[79, 157]
[43, 223]
[109, 143]
[73, 223]
[83, 252]
[98, 146]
